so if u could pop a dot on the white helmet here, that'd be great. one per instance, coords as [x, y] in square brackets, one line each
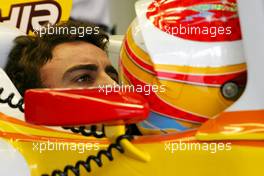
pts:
[191, 51]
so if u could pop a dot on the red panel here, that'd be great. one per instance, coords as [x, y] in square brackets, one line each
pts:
[83, 106]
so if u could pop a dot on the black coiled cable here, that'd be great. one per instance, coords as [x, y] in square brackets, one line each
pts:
[85, 132]
[92, 132]
[97, 159]
[9, 99]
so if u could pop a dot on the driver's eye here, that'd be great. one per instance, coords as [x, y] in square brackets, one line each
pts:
[85, 79]
[114, 77]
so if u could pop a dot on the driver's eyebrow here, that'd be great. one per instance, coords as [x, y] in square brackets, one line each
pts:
[88, 67]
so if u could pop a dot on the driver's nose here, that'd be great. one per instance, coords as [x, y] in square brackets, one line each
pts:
[104, 80]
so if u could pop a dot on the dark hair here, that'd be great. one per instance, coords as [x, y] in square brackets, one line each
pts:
[30, 53]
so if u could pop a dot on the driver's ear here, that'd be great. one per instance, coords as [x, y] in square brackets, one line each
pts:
[22, 72]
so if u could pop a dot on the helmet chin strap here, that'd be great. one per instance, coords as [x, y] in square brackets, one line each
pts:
[252, 23]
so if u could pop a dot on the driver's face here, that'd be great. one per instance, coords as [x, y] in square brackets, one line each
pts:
[78, 64]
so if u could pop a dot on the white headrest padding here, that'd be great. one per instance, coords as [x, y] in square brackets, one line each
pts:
[9, 88]
[7, 35]
[114, 47]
